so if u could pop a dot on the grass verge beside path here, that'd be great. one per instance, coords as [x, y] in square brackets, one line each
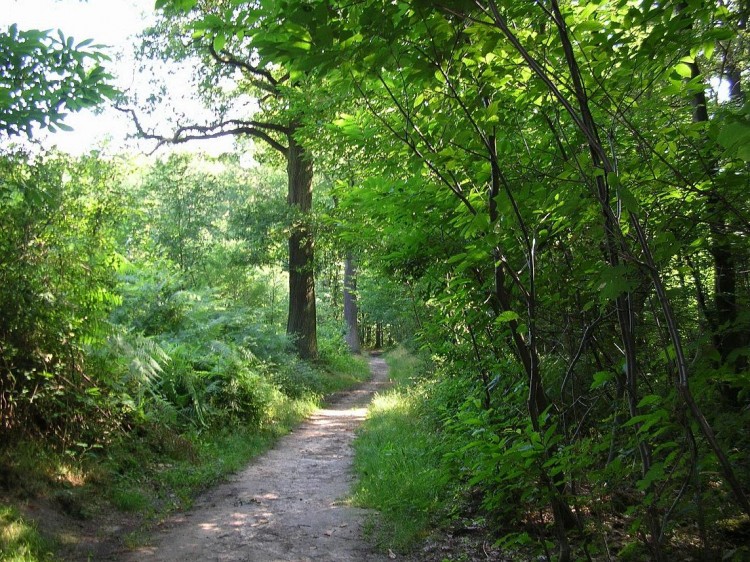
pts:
[19, 540]
[142, 476]
[398, 461]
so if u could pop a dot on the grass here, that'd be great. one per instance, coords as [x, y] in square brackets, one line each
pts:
[345, 372]
[19, 539]
[221, 453]
[404, 367]
[129, 499]
[398, 461]
[342, 372]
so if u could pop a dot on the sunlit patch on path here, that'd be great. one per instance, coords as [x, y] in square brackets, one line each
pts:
[285, 506]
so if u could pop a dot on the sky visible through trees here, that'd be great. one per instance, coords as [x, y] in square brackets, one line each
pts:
[114, 24]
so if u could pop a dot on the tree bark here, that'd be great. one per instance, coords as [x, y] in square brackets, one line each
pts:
[350, 304]
[302, 320]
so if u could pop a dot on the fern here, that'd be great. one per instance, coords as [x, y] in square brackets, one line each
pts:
[144, 359]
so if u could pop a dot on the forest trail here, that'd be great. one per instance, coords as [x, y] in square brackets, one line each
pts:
[287, 504]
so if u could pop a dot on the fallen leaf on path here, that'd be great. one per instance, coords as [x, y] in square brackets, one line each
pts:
[391, 554]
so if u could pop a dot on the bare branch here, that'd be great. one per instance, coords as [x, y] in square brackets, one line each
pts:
[283, 129]
[232, 127]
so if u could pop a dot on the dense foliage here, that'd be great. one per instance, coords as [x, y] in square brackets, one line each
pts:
[570, 204]
[144, 311]
[155, 297]
[57, 274]
[567, 197]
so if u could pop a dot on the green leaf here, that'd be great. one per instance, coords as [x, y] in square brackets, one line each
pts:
[628, 200]
[684, 70]
[219, 42]
[735, 138]
[601, 378]
[649, 400]
[590, 25]
[656, 472]
[507, 316]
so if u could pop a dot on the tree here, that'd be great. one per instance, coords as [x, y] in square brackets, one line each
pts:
[351, 311]
[218, 33]
[55, 248]
[552, 141]
[43, 76]
[57, 274]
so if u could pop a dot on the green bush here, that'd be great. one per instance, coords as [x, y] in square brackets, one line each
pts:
[153, 301]
[56, 281]
[298, 378]
[244, 396]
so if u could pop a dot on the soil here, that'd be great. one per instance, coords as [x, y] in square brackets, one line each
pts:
[289, 504]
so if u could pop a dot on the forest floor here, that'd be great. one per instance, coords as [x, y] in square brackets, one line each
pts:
[288, 504]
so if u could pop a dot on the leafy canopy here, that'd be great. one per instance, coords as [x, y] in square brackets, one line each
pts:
[46, 75]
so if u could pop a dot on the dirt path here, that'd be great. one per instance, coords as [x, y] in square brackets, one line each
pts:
[286, 505]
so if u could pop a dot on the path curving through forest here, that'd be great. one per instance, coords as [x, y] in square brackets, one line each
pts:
[287, 504]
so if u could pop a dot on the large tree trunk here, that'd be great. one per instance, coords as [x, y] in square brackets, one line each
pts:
[350, 304]
[301, 324]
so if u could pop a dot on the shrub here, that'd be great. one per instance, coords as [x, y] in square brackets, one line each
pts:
[56, 279]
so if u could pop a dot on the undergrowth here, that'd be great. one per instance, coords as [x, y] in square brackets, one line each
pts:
[19, 539]
[446, 471]
[398, 460]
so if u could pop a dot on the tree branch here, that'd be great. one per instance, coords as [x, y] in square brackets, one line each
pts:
[263, 78]
[232, 127]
